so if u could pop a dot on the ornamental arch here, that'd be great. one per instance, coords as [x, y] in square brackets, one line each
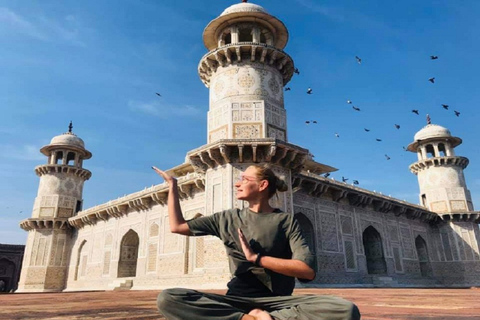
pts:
[127, 263]
[372, 244]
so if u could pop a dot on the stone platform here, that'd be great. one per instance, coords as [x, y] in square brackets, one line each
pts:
[418, 304]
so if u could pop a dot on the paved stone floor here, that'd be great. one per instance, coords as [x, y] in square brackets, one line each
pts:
[418, 304]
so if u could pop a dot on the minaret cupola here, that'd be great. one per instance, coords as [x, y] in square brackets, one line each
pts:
[440, 172]
[246, 70]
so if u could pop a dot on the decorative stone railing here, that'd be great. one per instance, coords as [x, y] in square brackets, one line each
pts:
[316, 186]
[439, 161]
[138, 201]
[267, 150]
[252, 51]
[44, 223]
[469, 216]
[50, 168]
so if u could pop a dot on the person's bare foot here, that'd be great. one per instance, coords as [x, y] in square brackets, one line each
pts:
[260, 314]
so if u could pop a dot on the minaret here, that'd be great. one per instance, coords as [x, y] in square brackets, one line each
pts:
[59, 198]
[246, 70]
[440, 172]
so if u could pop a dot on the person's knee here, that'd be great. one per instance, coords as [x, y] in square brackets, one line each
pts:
[355, 313]
[168, 297]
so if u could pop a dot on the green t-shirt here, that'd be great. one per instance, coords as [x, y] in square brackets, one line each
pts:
[275, 234]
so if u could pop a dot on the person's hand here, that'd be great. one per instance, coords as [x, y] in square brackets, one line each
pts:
[247, 250]
[168, 178]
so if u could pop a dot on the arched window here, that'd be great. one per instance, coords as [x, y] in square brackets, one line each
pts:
[430, 151]
[127, 264]
[441, 149]
[58, 157]
[245, 35]
[70, 158]
[372, 243]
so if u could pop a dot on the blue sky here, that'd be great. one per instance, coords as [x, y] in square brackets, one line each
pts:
[99, 64]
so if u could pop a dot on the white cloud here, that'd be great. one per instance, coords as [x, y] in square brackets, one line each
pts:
[26, 152]
[12, 22]
[42, 28]
[161, 111]
[328, 12]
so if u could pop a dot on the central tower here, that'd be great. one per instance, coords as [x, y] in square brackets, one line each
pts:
[246, 70]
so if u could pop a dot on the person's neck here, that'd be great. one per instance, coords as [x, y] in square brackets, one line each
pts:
[260, 206]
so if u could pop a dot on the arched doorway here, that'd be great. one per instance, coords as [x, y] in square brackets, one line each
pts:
[422, 253]
[307, 230]
[127, 264]
[372, 243]
[81, 266]
[7, 275]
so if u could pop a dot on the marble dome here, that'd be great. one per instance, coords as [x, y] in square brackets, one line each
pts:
[243, 7]
[432, 131]
[68, 139]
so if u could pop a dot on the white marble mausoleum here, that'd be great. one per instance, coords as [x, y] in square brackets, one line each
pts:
[360, 238]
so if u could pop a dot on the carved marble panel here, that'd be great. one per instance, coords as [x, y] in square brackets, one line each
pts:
[328, 223]
[247, 131]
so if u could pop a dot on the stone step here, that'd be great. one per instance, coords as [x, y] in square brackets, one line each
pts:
[121, 284]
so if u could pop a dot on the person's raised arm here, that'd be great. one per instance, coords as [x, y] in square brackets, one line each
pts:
[289, 267]
[175, 215]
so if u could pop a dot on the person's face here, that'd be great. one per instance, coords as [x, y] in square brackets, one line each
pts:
[248, 186]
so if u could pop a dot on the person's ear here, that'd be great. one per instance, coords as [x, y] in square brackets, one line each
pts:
[263, 185]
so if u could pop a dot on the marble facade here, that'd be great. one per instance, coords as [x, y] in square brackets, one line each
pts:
[360, 238]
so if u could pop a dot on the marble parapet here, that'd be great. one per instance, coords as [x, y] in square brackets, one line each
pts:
[233, 53]
[58, 168]
[138, 201]
[44, 223]
[316, 186]
[267, 150]
[439, 161]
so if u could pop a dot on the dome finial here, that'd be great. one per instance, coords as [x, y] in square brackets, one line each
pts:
[244, 1]
[70, 127]
[429, 121]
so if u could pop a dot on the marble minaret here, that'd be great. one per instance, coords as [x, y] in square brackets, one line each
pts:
[59, 198]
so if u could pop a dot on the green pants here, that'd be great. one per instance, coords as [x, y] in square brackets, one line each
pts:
[186, 304]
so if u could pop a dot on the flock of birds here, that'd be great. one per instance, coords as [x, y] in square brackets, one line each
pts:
[357, 109]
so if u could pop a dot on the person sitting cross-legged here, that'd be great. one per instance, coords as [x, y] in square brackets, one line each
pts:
[267, 251]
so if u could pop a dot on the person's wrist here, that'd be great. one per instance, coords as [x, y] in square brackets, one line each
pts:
[258, 260]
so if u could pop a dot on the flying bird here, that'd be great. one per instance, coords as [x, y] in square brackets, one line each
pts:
[457, 113]
[158, 94]
[326, 175]
[404, 148]
[311, 121]
[344, 179]
[296, 71]
[349, 102]
[445, 106]
[387, 157]
[337, 135]
[434, 57]
[309, 91]
[307, 122]
[358, 59]
[379, 140]
[356, 108]
[415, 111]
[287, 89]
[432, 80]
[356, 182]
[368, 130]
[397, 126]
